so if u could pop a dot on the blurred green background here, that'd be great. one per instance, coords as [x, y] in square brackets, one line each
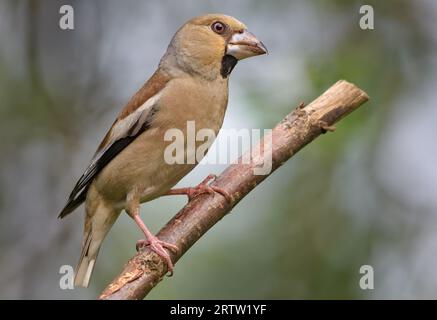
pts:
[365, 195]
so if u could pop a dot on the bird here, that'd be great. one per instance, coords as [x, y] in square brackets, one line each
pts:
[128, 168]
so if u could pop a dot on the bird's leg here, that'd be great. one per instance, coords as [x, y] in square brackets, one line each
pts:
[154, 244]
[201, 188]
[151, 241]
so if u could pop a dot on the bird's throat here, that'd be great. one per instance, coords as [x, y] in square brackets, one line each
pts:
[228, 64]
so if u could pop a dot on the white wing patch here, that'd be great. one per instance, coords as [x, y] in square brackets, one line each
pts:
[121, 134]
[130, 125]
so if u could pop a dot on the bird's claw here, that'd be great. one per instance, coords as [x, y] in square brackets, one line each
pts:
[202, 188]
[159, 246]
[205, 187]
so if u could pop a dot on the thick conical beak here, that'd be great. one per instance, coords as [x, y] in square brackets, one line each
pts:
[244, 45]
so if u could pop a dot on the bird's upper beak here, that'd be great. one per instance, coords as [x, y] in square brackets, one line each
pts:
[244, 45]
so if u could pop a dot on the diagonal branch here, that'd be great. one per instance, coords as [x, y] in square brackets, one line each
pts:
[145, 270]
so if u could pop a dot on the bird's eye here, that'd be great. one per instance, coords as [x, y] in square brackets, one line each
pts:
[218, 27]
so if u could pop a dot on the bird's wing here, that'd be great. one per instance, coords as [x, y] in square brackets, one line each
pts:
[134, 119]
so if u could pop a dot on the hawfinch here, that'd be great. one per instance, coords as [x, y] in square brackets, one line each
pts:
[128, 168]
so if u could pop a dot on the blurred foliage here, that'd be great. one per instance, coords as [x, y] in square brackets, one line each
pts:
[322, 245]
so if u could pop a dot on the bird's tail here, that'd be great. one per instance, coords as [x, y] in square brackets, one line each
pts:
[85, 266]
[97, 226]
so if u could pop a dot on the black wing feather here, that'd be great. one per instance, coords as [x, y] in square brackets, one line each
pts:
[82, 185]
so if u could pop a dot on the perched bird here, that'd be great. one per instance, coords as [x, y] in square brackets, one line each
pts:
[128, 168]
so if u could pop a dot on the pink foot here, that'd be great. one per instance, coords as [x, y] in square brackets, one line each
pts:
[158, 246]
[202, 188]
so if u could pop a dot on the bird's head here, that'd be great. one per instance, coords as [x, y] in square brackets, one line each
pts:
[211, 45]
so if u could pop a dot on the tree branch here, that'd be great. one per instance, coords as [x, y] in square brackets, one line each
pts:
[145, 270]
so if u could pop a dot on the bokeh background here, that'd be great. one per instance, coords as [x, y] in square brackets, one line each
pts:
[365, 195]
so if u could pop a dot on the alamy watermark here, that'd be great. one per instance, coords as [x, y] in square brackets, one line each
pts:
[66, 281]
[367, 20]
[367, 278]
[191, 145]
[66, 22]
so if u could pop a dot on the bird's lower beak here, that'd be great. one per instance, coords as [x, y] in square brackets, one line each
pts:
[244, 45]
